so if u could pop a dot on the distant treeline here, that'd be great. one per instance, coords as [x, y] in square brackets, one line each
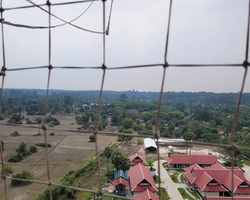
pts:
[91, 96]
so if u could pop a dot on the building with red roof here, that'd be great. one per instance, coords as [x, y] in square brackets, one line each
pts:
[215, 182]
[136, 158]
[141, 179]
[147, 195]
[180, 161]
[120, 184]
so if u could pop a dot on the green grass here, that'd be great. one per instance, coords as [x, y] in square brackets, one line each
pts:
[183, 179]
[164, 194]
[184, 194]
[246, 162]
[150, 160]
[174, 177]
[195, 194]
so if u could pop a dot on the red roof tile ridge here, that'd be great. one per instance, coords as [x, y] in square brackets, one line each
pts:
[141, 170]
[148, 194]
[238, 178]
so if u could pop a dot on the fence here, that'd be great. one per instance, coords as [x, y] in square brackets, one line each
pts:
[5, 70]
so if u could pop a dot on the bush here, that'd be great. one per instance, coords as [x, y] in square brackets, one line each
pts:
[52, 134]
[38, 134]
[25, 174]
[8, 170]
[139, 141]
[92, 138]
[15, 157]
[72, 124]
[33, 149]
[15, 134]
[41, 144]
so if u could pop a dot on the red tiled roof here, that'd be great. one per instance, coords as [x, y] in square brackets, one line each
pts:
[134, 156]
[221, 175]
[193, 166]
[147, 195]
[139, 173]
[190, 159]
[120, 181]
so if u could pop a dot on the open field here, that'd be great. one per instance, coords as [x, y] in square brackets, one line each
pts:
[69, 151]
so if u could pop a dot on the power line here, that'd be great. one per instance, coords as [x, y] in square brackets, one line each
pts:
[65, 22]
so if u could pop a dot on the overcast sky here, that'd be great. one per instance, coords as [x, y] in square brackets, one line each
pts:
[202, 31]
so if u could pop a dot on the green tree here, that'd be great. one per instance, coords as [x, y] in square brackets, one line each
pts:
[39, 120]
[127, 123]
[108, 153]
[180, 107]
[133, 114]
[116, 158]
[123, 97]
[146, 116]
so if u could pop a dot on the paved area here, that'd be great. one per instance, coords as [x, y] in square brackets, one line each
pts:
[179, 177]
[247, 171]
[168, 184]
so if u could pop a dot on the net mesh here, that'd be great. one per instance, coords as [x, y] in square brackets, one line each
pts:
[47, 8]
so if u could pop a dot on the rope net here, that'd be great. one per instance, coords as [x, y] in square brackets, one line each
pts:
[46, 7]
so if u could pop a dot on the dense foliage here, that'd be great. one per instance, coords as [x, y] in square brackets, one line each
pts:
[25, 174]
[22, 152]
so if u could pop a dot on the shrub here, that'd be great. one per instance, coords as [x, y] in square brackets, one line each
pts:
[8, 170]
[52, 134]
[139, 141]
[15, 157]
[72, 124]
[92, 138]
[33, 149]
[25, 174]
[38, 134]
[41, 144]
[15, 134]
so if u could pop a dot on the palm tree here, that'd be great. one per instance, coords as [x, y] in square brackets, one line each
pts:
[39, 121]
[108, 152]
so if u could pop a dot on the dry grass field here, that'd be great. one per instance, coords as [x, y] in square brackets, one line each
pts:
[69, 151]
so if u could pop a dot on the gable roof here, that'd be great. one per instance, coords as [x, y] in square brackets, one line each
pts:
[193, 166]
[191, 159]
[119, 173]
[220, 174]
[120, 181]
[139, 173]
[137, 156]
[147, 195]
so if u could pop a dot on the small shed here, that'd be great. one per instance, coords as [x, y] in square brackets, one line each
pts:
[150, 144]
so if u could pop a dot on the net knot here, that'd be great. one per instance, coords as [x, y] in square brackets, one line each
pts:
[44, 127]
[156, 136]
[166, 65]
[48, 3]
[100, 193]
[234, 147]
[104, 67]
[50, 67]
[2, 73]
[245, 64]
[1, 9]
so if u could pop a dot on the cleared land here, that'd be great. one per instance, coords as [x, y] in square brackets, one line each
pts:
[69, 151]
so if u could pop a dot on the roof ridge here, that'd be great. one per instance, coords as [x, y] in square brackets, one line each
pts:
[148, 194]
